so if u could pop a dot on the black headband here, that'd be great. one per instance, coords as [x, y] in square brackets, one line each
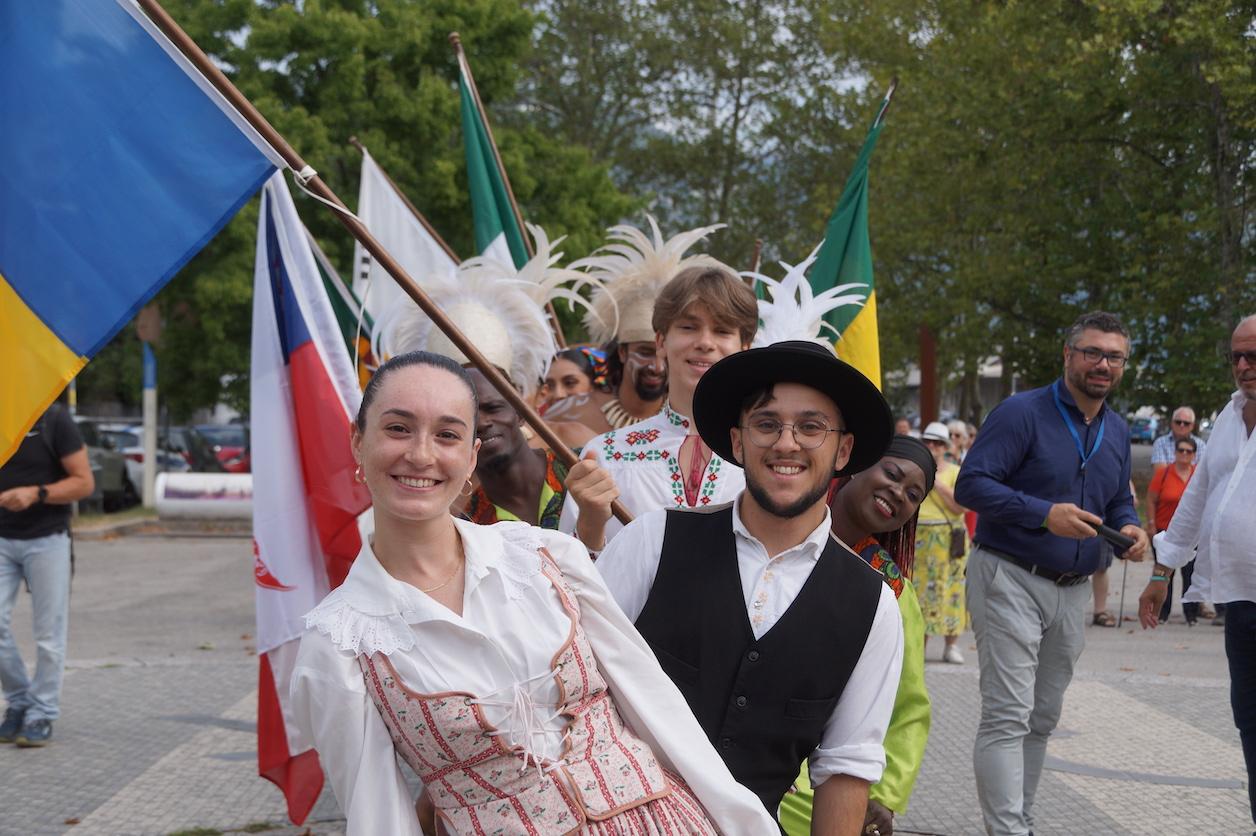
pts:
[914, 450]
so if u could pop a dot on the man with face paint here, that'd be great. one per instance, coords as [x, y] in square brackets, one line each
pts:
[730, 599]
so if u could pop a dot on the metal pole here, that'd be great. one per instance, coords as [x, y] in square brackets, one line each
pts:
[359, 231]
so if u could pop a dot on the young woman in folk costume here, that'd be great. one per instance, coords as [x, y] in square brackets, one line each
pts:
[490, 658]
[874, 514]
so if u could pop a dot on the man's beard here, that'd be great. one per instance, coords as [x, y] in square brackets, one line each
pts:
[648, 392]
[793, 509]
[1091, 390]
[496, 464]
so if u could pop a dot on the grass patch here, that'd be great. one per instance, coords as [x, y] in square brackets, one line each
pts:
[197, 831]
[258, 827]
[135, 512]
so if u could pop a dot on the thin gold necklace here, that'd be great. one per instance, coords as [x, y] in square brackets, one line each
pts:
[446, 581]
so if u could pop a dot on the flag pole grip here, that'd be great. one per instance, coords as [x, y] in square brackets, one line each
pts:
[315, 184]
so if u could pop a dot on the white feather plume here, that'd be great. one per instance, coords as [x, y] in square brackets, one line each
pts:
[632, 269]
[794, 311]
[500, 309]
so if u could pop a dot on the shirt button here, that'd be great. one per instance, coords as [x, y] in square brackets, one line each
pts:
[758, 603]
[726, 743]
[741, 702]
[753, 656]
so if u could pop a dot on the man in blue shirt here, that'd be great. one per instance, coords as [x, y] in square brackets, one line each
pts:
[1048, 465]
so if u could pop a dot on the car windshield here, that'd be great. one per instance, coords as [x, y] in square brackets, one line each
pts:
[224, 435]
[121, 440]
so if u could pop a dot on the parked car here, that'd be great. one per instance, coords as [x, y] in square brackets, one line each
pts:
[1142, 430]
[230, 443]
[130, 443]
[114, 489]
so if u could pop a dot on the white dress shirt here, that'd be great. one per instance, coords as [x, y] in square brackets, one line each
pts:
[853, 737]
[644, 460]
[501, 648]
[1217, 515]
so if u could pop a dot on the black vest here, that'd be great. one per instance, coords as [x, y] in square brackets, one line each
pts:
[763, 703]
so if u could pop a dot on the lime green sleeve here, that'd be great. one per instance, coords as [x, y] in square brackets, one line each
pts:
[909, 723]
[904, 739]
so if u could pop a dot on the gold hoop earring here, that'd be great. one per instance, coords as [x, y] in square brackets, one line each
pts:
[467, 489]
[359, 476]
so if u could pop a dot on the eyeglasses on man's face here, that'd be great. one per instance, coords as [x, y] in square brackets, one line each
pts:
[1092, 356]
[1181, 423]
[1236, 356]
[808, 434]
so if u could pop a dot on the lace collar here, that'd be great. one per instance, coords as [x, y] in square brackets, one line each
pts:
[371, 612]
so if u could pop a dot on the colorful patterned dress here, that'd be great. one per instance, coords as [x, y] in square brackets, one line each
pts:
[481, 510]
[939, 578]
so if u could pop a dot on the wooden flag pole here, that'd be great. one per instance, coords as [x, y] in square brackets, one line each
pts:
[464, 67]
[315, 185]
[418, 216]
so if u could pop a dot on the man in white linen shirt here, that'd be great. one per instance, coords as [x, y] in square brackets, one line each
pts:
[1217, 515]
[703, 314]
[786, 645]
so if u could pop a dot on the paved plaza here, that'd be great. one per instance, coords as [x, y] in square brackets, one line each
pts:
[157, 727]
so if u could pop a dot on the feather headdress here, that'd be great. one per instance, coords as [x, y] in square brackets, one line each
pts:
[794, 311]
[632, 270]
[500, 309]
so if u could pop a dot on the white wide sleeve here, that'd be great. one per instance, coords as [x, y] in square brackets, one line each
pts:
[1175, 546]
[630, 562]
[853, 742]
[652, 705]
[332, 709]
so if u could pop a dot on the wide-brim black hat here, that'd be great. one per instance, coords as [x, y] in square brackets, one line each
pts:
[718, 398]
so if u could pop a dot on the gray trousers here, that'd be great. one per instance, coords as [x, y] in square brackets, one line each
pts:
[1030, 633]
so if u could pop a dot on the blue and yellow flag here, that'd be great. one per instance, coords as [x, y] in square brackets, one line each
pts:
[118, 163]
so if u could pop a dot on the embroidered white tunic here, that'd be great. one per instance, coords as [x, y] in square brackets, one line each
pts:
[501, 648]
[644, 460]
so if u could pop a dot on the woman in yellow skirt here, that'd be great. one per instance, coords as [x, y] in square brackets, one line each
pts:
[942, 551]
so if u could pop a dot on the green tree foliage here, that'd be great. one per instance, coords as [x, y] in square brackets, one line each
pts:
[381, 70]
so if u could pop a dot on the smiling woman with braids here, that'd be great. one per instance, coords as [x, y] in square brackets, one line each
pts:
[874, 512]
[491, 659]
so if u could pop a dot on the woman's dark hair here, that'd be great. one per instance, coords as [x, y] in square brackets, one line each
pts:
[900, 544]
[614, 366]
[583, 360]
[413, 358]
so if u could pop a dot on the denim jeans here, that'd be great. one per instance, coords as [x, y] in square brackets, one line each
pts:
[1240, 652]
[44, 564]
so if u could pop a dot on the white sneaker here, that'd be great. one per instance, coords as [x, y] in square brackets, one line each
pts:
[952, 655]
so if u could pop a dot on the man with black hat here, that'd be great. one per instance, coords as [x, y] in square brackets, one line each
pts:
[786, 645]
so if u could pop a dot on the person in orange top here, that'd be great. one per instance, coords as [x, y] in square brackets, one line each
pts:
[1163, 495]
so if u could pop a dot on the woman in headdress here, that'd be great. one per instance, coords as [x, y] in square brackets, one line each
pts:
[490, 658]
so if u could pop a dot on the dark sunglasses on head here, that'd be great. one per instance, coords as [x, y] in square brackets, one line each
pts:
[1236, 356]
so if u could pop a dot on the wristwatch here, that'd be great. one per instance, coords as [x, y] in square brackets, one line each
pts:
[43, 494]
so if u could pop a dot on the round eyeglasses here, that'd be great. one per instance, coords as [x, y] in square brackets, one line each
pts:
[808, 434]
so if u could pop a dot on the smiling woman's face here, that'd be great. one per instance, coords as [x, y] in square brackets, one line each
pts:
[417, 447]
[885, 496]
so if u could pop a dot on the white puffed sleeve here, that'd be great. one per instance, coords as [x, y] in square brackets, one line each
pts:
[651, 704]
[332, 710]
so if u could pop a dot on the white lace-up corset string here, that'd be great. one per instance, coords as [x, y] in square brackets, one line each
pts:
[526, 722]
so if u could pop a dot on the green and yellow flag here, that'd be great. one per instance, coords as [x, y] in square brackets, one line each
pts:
[846, 257]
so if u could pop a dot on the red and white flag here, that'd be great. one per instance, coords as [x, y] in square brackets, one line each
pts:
[306, 502]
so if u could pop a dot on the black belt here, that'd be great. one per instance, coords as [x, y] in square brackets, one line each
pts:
[1057, 578]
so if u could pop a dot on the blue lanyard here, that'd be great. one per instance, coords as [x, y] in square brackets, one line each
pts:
[1072, 428]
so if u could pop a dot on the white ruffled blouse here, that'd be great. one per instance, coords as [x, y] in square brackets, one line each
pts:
[500, 649]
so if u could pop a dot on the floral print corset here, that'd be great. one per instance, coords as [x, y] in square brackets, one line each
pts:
[481, 782]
